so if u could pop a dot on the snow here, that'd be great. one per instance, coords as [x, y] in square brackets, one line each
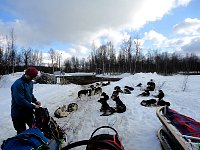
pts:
[137, 127]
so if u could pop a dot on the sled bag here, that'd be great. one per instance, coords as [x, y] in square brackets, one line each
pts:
[106, 139]
[185, 125]
[99, 142]
[31, 139]
[48, 125]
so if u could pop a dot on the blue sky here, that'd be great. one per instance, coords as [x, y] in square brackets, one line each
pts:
[71, 26]
[175, 16]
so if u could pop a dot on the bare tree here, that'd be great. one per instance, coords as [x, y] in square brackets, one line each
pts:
[74, 63]
[102, 52]
[18, 59]
[94, 57]
[58, 57]
[35, 58]
[26, 56]
[11, 50]
[121, 61]
[127, 48]
[111, 55]
[52, 57]
[137, 49]
[1, 60]
[6, 56]
[40, 58]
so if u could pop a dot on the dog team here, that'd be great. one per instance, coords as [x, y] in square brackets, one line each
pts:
[152, 102]
[120, 106]
[64, 110]
[106, 109]
[92, 90]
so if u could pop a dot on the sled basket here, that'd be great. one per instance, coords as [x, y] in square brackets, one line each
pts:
[30, 139]
[178, 132]
[99, 142]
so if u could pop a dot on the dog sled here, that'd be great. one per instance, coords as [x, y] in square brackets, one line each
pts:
[178, 132]
[30, 139]
[99, 141]
[45, 134]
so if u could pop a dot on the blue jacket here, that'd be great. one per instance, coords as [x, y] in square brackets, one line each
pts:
[22, 98]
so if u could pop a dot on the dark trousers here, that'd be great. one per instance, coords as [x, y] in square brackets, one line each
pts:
[20, 123]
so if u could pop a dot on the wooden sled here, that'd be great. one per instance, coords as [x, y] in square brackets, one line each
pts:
[170, 137]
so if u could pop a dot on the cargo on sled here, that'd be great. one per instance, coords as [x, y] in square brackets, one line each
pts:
[45, 134]
[178, 132]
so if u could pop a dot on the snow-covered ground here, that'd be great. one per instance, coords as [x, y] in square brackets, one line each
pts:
[137, 127]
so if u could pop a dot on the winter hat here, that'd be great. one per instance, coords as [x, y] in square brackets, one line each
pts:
[32, 71]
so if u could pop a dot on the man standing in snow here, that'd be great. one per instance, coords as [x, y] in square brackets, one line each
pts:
[23, 101]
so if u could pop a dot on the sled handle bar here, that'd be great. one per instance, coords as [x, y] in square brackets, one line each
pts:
[103, 127]
[86, 142]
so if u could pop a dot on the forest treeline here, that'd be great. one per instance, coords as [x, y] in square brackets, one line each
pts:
[129, 58]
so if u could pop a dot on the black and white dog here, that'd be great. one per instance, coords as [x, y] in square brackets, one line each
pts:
[61, 112]
[118, 89]
[86, 92]
[129, 88]
[163, 103]
[105, 108]
[105, 84]
[145, 93]
[97, 90]
[120, 106]
[139, 85]
[127, 91]
[148, 103]
[154, 102]
[64, 111]
[72, 107]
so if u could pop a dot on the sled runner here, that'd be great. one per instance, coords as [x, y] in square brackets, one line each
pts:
[178, 131]
[99, 142]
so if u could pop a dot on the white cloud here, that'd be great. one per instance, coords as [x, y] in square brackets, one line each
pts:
[3, 41]
[42, 22]
[64, 56]
[78, 50]
[155, 37]
[182, 44]
[193, 46]
[188, 27]
[46, 58]
[183, 2]
[109, 35]
[72, 50]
